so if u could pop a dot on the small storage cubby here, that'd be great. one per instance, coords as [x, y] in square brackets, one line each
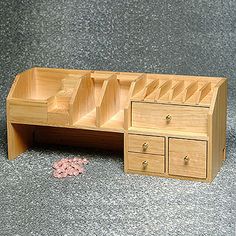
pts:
[101, 99]
[42, 96]
[74, 98]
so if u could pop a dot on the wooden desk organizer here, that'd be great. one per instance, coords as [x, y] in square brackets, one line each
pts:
[169, 125]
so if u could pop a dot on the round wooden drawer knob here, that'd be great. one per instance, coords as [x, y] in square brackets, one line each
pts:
[145, 164]
[168, 118]
[145, 146]
[186, 159]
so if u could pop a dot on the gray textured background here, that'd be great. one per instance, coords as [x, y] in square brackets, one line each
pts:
[182, 37]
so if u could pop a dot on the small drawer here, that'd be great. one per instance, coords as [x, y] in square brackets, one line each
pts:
[146, 162]
[146, 144]
[187, 158]
[169, 117]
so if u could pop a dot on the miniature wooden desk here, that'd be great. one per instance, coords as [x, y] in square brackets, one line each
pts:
[169, 125]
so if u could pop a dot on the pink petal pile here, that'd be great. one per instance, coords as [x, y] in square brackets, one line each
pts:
[69, 167]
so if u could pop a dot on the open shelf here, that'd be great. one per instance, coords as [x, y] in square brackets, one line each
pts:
[75, 98]
[99, 99]
[115, 122]
[88, 120]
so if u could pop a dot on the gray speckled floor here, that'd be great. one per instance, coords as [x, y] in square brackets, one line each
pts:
[183, 37]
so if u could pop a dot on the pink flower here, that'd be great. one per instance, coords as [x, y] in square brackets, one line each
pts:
[69, 167]
[85, 161]
[63, 174]
[75, 173]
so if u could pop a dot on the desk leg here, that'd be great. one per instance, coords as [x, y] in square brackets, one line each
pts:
[20, 138]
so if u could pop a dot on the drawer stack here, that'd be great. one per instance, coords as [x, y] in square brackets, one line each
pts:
[172, 129]
[146, 153]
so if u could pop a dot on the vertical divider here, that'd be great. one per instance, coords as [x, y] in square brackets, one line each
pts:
[176, 90]
[82, 100]
[164, 88]
[138, 85]
[135, 87]
[190, 90]
[150, 88]
[203, 91]
[109, 102]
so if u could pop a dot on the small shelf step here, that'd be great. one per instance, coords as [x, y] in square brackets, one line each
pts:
[116, 122]
[88, 120]
[149, 131]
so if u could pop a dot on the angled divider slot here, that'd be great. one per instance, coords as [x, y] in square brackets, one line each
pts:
[203, 92]
[190, 90]
[108, 106]
[150, 88]
[163, 89]
[138, 84]
[125, 82]
[135, 87]
[138, 87]
[82, 104]
[176, 90]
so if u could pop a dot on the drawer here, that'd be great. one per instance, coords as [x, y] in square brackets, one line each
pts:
[187, 157]
[146, 144]
[169, 117]
[145, 162]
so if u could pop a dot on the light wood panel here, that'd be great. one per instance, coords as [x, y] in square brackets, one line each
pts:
[190, 90]
[167, 133]
[145, 162]
[20, 138]
[183, 118]
[163, 89]
[82, 101]
[24, 85]
[149, 89]
[203, 91]
[135, 87]
[176, 89]
[109, 103]
[146, 144]
[217, 129]
[28, 111]
[187, 158]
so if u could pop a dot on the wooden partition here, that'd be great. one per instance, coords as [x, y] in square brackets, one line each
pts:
[100, 99]
[135, 87]
[24, 86]
[109, 102]
[177, 89]
[83, 99]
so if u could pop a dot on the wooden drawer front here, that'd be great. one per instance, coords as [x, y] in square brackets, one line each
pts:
[187, 158]
[181, 118]
[146, 144]
[146, 162]
[28, 113]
